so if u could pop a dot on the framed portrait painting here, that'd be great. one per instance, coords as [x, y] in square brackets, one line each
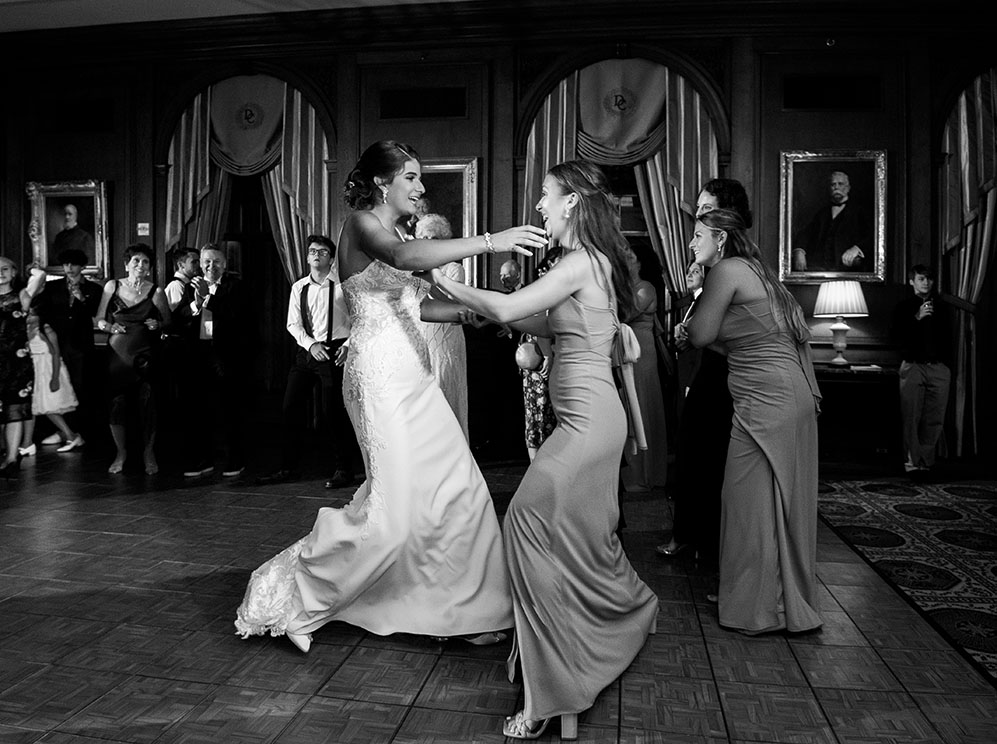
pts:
[832, 215]
[452, 190]
[69, 215]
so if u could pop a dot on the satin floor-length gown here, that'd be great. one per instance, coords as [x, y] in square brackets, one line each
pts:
[768, 527]
[418, 550]
[582, 613]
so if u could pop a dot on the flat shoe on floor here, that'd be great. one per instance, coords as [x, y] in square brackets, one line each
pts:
[668, 551]
[303, 642]
[28, 451]
[278, 476]
[339, 479]
[481, 639]
[484, 639]
[69, 446]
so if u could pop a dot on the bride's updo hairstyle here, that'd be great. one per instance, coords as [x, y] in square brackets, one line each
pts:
[595, 225]
[384, 159]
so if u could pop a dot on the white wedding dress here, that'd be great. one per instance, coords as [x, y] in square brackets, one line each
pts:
[418, 550]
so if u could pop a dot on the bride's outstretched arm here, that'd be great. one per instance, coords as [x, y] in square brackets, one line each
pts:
[421, 255]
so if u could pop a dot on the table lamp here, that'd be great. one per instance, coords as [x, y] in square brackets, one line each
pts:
[840, 300]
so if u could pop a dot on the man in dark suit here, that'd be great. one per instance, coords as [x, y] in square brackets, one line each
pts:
[319, 323]
[69, 306]
[220, 325]
[839, 237]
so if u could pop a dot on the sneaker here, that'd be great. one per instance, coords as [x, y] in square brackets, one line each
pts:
[198, 470]
[30, 451]
[232, 470]
[52, 439]
[69, 446]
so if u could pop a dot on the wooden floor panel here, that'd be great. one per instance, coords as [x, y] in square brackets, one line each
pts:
[117, 597]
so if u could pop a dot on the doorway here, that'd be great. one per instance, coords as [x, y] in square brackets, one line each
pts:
[252, 252]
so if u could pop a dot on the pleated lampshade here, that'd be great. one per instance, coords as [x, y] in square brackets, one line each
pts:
[840, 299]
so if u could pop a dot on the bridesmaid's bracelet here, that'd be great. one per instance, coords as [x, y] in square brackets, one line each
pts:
[489, 246]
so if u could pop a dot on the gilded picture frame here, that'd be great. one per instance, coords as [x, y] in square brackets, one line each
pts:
[832, 215]
[452, 190]
[51, 231]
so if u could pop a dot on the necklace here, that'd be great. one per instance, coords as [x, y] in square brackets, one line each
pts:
[135, 285]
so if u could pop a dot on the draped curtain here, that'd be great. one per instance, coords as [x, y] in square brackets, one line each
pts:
[245, 126]
[211, 213]
[667, 224]
[190, 168]
[632, 112]
[297, 189]
[551, 141]
[969, 201]
[620, 102]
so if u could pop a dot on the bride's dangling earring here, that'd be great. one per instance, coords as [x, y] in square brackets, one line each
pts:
[384, 193]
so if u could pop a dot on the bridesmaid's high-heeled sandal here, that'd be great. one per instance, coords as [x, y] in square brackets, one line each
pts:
[518, 727]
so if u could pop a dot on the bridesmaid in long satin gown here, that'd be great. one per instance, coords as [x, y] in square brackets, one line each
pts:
[768, 529]
[582, 613]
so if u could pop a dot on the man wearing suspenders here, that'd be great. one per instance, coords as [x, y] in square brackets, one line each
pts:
[318, 321]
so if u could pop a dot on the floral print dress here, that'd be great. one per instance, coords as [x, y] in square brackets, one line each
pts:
[17, 373]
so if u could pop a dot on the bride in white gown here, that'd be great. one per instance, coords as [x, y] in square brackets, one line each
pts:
[418, 550]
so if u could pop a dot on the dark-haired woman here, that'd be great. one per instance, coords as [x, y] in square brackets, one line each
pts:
[582, 613]
[132, 311]
[768, 533]
[418, 550]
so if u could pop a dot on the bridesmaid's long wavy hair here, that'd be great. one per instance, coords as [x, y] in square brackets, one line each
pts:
[384, 159]
[739, 245]
[595, 225]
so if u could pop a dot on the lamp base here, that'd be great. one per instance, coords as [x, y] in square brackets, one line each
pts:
[839, 332]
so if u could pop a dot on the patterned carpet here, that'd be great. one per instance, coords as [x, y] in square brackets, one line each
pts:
[936, 544]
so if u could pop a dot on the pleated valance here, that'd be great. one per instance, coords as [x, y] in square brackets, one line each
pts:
[244, 126]
[247, 114]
